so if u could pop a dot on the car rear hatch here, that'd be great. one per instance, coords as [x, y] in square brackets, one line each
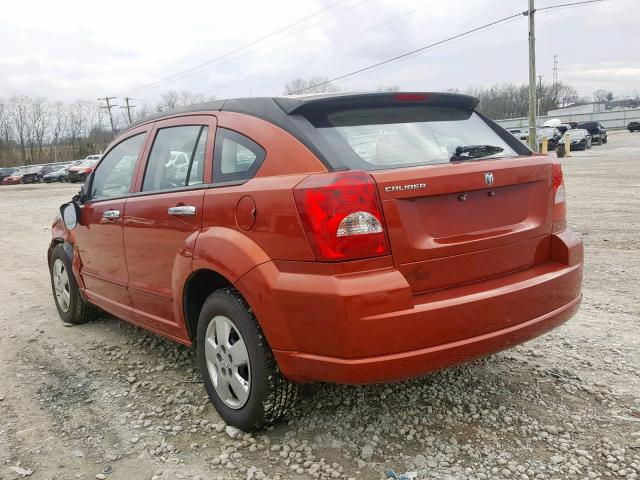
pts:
[459, 223]
[462, 199]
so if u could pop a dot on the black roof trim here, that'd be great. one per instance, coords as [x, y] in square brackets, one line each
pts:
[306, 103]
[263, 106]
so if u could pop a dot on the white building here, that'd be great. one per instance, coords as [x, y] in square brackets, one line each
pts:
[593, 107]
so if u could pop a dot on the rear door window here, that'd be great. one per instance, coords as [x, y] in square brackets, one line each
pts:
[394, 137]
[177, 158]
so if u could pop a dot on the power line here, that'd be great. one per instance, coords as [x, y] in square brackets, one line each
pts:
[192, 70]
[573, 4]
[225, 57]
[344, 39]
[413, 52]
[448, 39]
[582, 79]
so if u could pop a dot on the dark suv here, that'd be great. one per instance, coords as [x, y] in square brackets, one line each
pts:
[596, 130]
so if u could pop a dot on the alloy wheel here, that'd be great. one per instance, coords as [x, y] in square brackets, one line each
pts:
[227, 361]
[61, 285]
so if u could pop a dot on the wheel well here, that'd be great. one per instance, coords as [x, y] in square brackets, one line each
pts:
[199, 286]
[54, 243]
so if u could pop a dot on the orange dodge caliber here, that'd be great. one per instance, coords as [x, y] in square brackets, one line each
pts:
[347, 238]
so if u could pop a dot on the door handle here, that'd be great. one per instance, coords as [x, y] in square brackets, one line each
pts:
[111, 214]
[182, 210]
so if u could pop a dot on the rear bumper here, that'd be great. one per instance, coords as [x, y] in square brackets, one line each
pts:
[404, 365]
[365, 326]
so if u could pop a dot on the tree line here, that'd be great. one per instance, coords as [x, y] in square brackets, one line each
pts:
[35, 130]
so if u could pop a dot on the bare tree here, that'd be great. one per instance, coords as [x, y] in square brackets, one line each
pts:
[173, 99]
[5, 132]
[75, 127]
[310, 85]
[566, 95]
[18, 113]
[143, 111]
[39, 123]
[58, 126]
[168, 101]
[601, 96]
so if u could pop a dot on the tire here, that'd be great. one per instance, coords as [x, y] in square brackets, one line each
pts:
[604, 140]
[74, 310]
[264, 396]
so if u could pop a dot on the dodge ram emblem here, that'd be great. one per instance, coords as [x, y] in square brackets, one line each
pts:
[488, 178]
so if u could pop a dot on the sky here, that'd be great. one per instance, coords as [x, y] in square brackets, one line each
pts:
[72, 49]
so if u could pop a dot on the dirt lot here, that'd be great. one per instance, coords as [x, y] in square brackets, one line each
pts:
[107, 400]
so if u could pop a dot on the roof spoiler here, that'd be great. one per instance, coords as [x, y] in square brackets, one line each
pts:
[307, 103]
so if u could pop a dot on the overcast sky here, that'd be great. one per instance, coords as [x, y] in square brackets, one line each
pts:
[73, 49]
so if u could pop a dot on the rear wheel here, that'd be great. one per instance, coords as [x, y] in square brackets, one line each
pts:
[240, 374]
[71, 306]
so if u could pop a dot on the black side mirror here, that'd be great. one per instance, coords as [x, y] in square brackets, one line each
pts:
[70, 213]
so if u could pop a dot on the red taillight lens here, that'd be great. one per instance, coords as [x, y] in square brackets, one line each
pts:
[342, 216]
[558, 183]
[559, 199]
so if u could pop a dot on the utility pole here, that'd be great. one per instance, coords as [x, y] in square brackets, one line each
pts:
[109, 107]
[540, 96]
[533, 103]
[555, 73]
[128, 107]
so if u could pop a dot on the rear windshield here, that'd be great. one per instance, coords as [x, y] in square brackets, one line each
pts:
[577, 133]
[394, 137]
[587, 125]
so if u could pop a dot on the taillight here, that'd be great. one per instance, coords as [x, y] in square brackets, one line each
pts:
[559, 198]
[558, 184]
[342, 216]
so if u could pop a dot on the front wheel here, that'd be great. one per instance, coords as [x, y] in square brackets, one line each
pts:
[71, 306]
[240, 374]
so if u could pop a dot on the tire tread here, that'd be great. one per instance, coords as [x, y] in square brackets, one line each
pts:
[282, 393]
[80, 311]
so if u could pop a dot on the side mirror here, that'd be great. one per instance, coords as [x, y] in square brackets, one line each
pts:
[70, 213]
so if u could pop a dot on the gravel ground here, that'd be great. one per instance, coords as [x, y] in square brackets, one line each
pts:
[108, 400]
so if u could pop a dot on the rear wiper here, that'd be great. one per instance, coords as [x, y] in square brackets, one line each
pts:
[469, 152]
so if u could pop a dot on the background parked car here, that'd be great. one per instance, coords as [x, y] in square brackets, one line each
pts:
[633, 126]
[59, 175]
[596, 130]
[35, 174]
[580, 139]
[13, 179]
[6, 172]
[552, 134]
[80, 172]
[564, 127]
[520, 134]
